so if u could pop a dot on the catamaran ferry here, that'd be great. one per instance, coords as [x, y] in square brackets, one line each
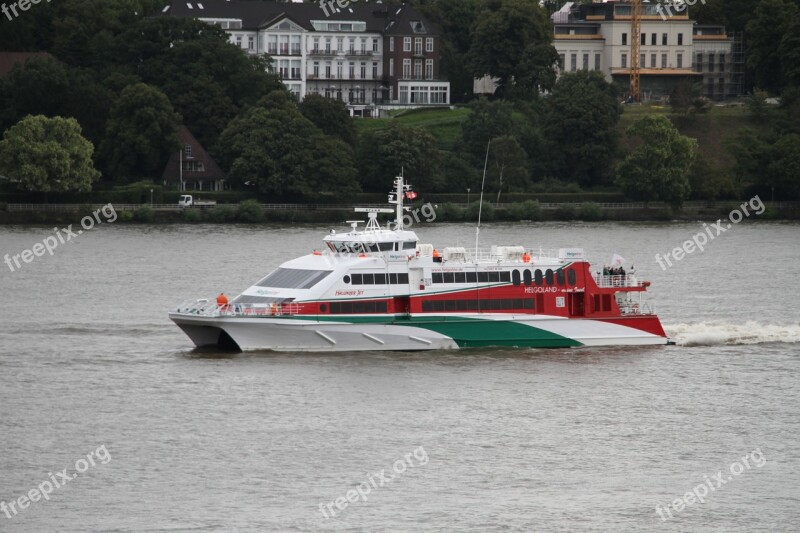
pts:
[379, 288]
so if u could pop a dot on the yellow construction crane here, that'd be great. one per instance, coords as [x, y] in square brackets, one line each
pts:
[636, 33]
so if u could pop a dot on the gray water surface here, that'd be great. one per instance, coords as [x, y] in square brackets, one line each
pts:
[506, 440]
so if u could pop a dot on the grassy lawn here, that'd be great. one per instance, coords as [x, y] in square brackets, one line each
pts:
[443, 124]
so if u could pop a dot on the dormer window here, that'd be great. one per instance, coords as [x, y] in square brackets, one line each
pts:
[418, 27]
[187, 151]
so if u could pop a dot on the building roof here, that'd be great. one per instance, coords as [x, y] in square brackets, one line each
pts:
[257, 14]
[172, 171]
[8, 60]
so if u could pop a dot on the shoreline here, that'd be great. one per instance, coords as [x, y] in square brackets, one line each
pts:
[227, 214]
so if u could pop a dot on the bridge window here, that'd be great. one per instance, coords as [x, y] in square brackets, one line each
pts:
[292, 278]
[410, 245]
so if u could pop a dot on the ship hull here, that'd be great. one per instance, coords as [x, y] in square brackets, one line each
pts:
[402, 333]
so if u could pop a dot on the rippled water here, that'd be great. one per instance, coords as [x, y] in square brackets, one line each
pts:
[506, 440]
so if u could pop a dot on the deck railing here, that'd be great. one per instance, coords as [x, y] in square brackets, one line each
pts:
[208, 308]
[628, 280]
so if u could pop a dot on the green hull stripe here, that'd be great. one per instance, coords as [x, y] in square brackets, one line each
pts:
[469, 332]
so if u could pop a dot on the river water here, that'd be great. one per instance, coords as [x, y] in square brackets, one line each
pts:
[480, 440]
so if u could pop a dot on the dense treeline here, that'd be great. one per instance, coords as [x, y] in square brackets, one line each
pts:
[127, 78]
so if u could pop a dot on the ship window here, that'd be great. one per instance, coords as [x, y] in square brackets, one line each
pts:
[398, 279]
[526, 275]
[449, 277]
[606, 302]
[483, 277]
[386, 246]
[571, 277]
[358, 279]
[538, 277]
[472, 277]
[372, 247]
[437, 277]
[516, 278]
[461, 277]
[505, 277]
[410, 245]
[449, 305]
[380, 279]
[494, 277]
[369, 279]
[548, 276]
[292, 278]
[560, 277]
[323, 308]
[346, 279]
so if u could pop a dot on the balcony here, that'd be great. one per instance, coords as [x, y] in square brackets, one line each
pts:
[359, 53]
[321, 52]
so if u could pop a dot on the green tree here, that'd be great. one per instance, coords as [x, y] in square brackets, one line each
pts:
[44, 86]
[580, 124]
[504, 32]
[48, 155]
[766, 29]
[536, 71]
[273, 146]
[784, 167]
[208, 80]
[508, 162]
[84, 30]
[456, 19]
[487, 120]
[331, 116]
[789, 51]
[142, 131]
[385, 153]
[683, 96]
[658, 169]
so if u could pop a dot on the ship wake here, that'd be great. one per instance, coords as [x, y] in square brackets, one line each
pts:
[715, 333]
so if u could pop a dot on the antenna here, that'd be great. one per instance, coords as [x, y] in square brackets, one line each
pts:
[480, 206]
